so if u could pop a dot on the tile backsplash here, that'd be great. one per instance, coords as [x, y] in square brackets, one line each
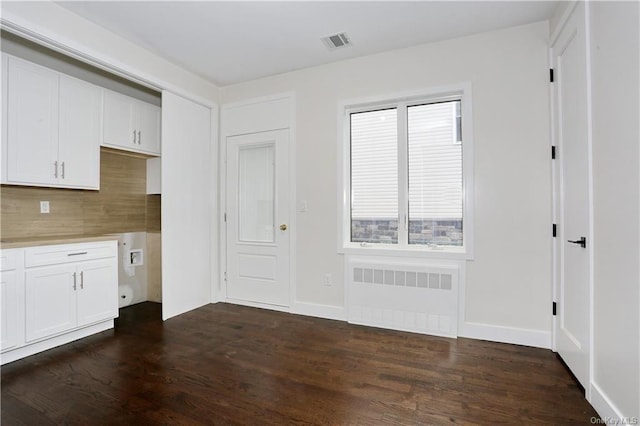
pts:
[121, 204]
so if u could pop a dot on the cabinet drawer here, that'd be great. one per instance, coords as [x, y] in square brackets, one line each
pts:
[8, 260]
[67, 253]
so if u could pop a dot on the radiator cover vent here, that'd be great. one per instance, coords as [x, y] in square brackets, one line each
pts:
[403, 295]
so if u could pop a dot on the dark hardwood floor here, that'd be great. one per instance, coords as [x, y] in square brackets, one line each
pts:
[227, 364]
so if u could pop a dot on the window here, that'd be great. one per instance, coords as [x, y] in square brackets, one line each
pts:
[408, 173]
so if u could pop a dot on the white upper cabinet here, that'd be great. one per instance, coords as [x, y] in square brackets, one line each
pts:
[118, 129]
[148, 123]
[52, 135]
[130, 124]
[80, 107]
[31, 142]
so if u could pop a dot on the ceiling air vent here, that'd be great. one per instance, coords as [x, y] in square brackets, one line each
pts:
[336, 41]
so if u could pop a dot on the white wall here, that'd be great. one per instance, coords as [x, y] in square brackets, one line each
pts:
[509, 282]
[615, 50]
[58, 24]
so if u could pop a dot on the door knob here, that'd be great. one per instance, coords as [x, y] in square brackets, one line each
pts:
[582, 242]
[283, 227]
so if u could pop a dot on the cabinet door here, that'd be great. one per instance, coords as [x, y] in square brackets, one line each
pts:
[148, 124]
[79, 136]
[32, 121]
[50, 300]
[118, 130]
[9, 306]
[97, 291]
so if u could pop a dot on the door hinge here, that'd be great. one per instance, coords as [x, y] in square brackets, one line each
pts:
[553, 152]
[555, 310]
[225, 217]
[225, 275]
[551, 79]
[555, 230]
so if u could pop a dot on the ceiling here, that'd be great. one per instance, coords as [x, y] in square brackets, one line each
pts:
[235, 41]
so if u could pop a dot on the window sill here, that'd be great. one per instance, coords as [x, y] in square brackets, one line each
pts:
[422, 252]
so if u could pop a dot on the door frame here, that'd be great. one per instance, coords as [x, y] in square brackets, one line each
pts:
[283, 119]
[557, 172]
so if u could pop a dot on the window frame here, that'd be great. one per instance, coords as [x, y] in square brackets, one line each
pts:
[401, 101]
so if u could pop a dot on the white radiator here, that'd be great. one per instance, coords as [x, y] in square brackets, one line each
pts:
[408, 295]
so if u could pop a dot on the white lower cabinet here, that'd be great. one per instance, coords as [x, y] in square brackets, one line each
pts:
[97, 295]
[56, 294]
[10, 301]
[50, 301]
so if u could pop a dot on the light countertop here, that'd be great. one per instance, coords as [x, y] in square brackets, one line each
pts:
[10, 243]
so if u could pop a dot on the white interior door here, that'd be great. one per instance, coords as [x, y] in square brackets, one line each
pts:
[257, 218]
[186, 205]
[572, 331]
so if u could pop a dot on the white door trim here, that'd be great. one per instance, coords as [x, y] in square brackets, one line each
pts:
[555, 179]
[225, 131]
[587, 32]
[216, 266]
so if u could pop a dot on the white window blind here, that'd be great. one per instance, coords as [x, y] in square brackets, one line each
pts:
[435, 162]
[374, 165]
[407, 174]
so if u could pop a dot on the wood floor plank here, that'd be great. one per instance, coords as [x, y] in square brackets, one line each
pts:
[227, 364]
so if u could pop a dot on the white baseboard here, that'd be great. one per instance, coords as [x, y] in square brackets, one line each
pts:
[494, 333]
[606, 408]
[320, 311]
[512, 335]
[258, 305]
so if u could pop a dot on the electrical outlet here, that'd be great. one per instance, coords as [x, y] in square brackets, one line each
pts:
[44, 207]
[327, 279]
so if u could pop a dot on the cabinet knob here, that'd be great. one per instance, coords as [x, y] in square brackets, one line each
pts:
[283, 227]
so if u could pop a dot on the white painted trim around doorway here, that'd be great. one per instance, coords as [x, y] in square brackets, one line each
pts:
[556, 191]
[270, 120]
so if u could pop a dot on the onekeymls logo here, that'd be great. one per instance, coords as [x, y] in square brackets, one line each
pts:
[614, 421]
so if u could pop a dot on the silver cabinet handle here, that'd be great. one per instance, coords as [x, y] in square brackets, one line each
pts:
[63, 170]
[74, 281]
[55, 169]
[77, 254]
[139, 138]
[81, 279]
[134, 136]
